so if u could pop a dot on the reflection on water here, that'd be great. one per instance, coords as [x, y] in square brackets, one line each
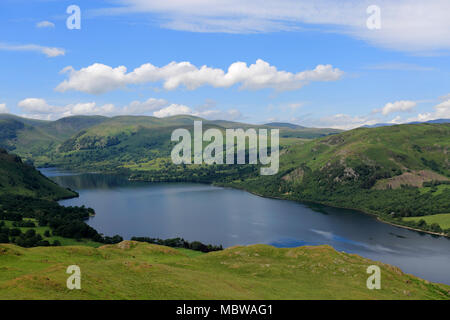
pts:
[234, 217]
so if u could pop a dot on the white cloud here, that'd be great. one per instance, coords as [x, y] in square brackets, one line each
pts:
[45, 24]
[397, 106]
[396, 120]
[89, 108]
[38, 106]
[172, 110]
[50, 52]
[138, 107]
[99, 78]
[211, 114]
[343, 121]
[406, 25]
[39, 109]
[3, 108]
[441, 111]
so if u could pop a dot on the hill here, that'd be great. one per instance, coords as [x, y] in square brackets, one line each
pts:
[283, 125]
[18, 178]
[72, 140]
[30, 215]
[394, 172]
[31, 138]
[415, 122]
[131, 270]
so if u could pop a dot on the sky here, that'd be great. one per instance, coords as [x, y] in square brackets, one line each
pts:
[322, 63]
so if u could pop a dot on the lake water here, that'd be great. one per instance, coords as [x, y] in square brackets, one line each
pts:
[233, 217]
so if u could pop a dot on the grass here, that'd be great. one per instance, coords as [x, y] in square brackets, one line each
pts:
[443, 219]
[439, 189]
[132, 270]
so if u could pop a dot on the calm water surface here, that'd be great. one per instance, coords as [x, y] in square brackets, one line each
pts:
[233, 217]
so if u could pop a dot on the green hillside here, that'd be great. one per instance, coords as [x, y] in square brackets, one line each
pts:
[18, 178]
[30, 215]
[131, 270]
[100, 140]
[31, 138]
[398, 171]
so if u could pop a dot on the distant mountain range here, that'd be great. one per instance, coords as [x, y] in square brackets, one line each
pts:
[284, 125]
[143, 137]
[415, 122]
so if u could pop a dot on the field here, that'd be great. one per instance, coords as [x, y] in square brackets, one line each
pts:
[441, 219]
[131, 270]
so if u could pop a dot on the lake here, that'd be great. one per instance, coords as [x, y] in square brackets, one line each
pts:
[215, 215]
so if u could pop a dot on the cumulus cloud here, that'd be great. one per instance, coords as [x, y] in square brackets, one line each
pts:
[50, 52]
[45, 24]
[99, 78]
[39, 109]
[3, 108]
[406, 25]
[89, 108]
[172, 110]
[441, 111]
[343, 121]
[211, 114]
[39, 106]
[397, 106]
[138, 107]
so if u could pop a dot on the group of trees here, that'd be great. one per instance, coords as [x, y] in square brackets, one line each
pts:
[197, 173]
[422, 224]
[68, 222]
[27, 239]
[180, 243]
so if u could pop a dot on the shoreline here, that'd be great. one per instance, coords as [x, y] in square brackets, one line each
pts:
[302, 202]
[339, 207]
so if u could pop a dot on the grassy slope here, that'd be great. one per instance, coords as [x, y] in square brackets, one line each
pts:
[397, 147]
[21, 179]
[142, 271]
[31, 139]
[442, 219]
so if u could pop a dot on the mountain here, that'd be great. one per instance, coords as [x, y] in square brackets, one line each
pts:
[31, 138]
[119, 140]
[18, 178]
[145, 271]
[394, 172]
[415, 122]
[434, 121]
[283, 125]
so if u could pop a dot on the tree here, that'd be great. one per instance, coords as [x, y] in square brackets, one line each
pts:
[4, 238]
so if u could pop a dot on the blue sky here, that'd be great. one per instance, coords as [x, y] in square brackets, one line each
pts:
[290, 61]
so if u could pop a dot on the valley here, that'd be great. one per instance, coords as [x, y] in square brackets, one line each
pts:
[394, 172]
